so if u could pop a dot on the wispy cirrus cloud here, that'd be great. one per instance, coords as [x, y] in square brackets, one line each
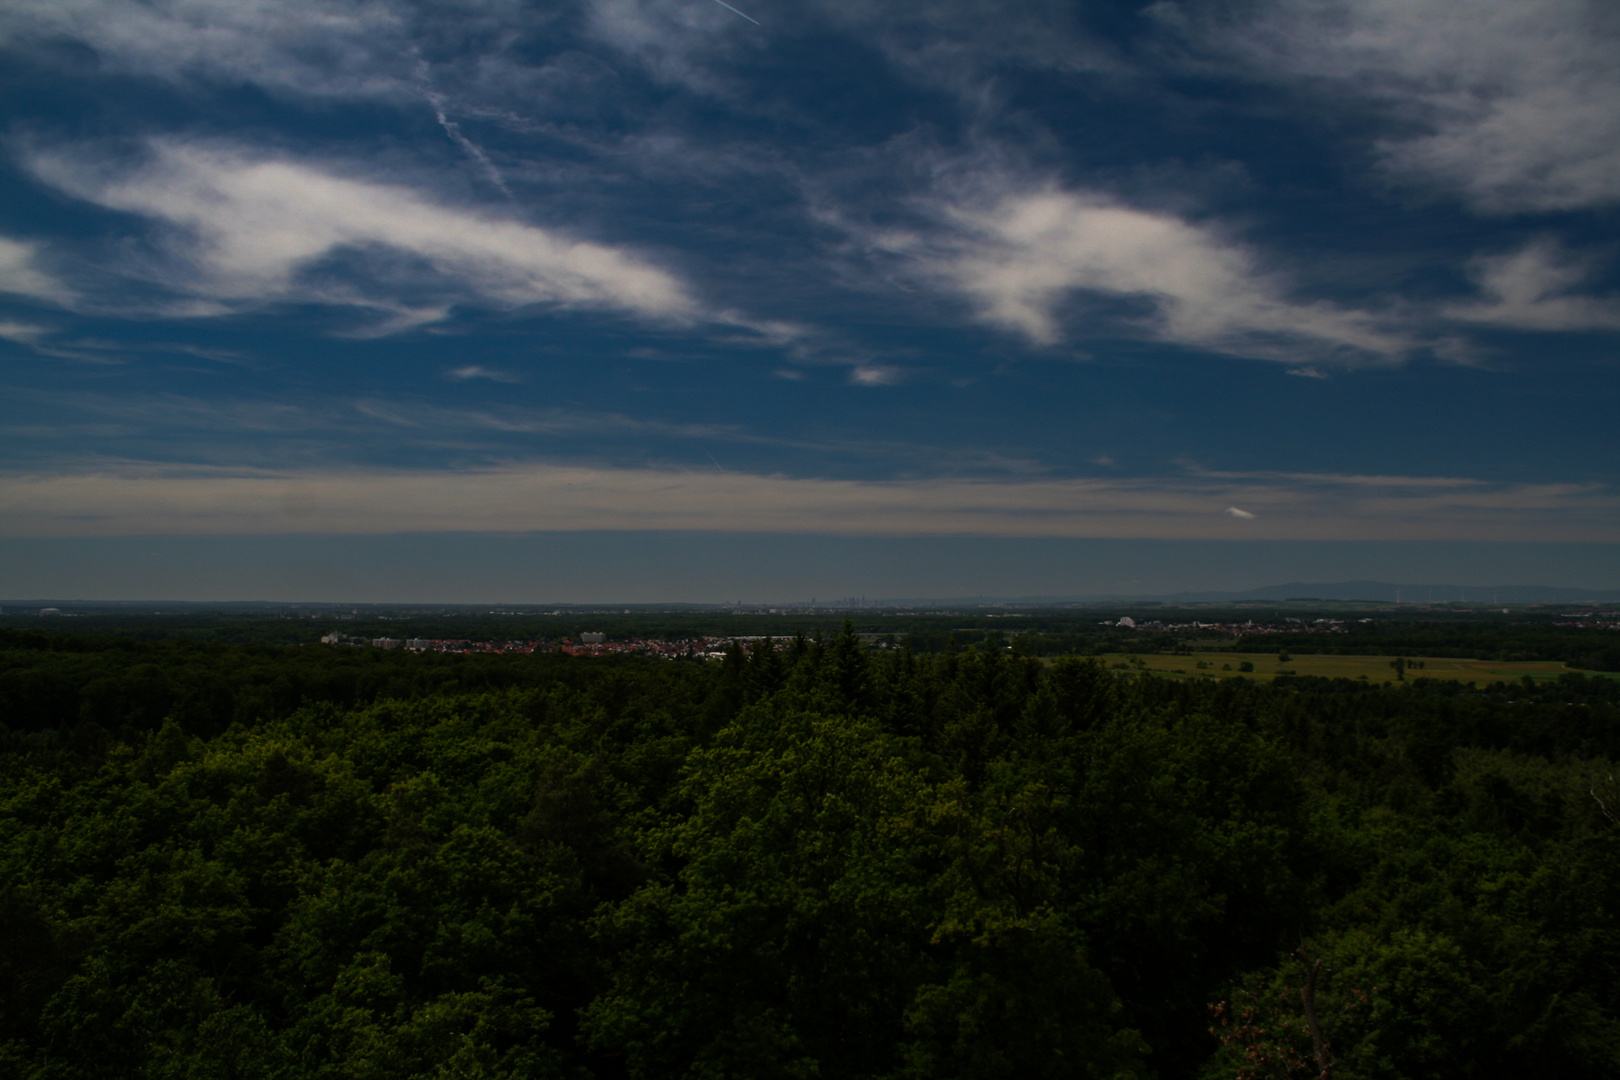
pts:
[245, 228]
[1537, 288]
[673, 42]
[346, 47]
[21, 274]
[1513, 106]
[20, 332]
[528, 421]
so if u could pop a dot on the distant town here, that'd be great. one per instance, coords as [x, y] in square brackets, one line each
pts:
[1235, 629]
[713, 647]
[590, 643]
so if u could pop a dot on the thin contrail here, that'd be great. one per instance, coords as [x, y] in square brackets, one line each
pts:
[453, 129]
[733, 10]
[473, 150]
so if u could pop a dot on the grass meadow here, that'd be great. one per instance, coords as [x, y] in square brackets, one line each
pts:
[1373, 669]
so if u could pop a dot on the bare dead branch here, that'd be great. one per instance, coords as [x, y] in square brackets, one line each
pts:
[1307, 994]
[1603, 806]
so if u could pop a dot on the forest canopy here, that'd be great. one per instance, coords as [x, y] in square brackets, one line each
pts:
[812, 860]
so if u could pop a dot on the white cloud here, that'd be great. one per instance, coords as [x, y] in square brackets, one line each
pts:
[21, 276]
[146, 500]
[251, 228]
[874, 375]
[1534, 289]
[1307, 372]
[1021, 254]
[1516, 106]
[476, 371]
[21, 333]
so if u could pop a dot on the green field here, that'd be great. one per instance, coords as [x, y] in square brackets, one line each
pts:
[1374, 669]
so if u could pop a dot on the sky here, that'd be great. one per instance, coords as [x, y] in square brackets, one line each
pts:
[665, 299]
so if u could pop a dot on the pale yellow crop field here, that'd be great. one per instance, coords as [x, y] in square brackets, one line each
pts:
[1375, 669]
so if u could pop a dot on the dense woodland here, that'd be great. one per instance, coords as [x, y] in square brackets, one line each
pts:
[258, 862]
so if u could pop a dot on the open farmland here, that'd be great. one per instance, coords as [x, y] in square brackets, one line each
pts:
[1374, 669]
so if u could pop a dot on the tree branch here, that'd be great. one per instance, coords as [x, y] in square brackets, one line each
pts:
[1307, 994]
[1603, 806]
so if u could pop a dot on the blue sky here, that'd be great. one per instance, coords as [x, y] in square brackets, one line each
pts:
[901, 276]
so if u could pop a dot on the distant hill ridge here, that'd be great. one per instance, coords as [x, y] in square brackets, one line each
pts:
[1385, 592]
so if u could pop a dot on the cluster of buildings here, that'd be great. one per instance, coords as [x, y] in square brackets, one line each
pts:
[1238, 629]
[445, 645]
[590, 643]
[598, 645]
[1592, 620]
